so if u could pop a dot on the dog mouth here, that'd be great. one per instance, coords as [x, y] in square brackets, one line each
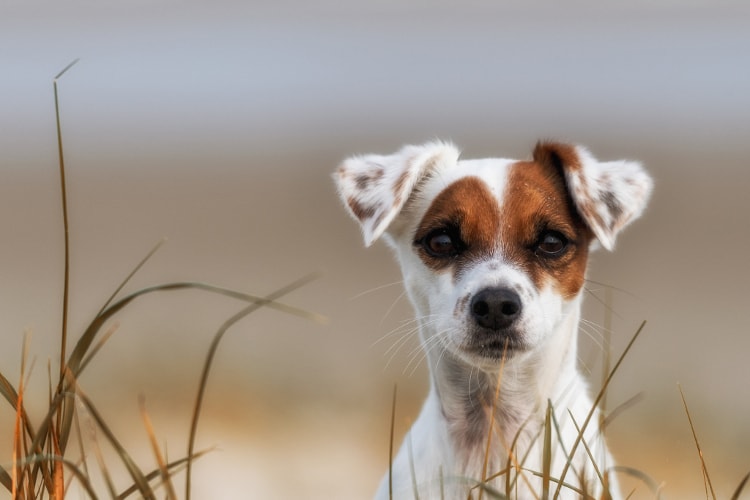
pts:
[497, 349]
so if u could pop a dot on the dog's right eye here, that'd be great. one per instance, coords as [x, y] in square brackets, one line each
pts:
[442, 244]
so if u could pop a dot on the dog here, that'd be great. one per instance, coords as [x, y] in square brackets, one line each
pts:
[493, 254]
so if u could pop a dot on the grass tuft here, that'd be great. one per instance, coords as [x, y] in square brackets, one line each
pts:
[42, 465]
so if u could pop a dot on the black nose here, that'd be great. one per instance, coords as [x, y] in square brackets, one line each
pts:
[496, 308]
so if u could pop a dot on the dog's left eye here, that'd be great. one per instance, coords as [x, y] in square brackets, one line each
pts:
[442, 243]
[551, 244]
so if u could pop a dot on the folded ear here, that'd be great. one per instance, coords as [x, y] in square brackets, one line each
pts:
[607, 195]
[375, 188]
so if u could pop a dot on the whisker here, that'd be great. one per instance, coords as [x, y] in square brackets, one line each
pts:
[602, 302]
[404, 326]
[420, 353]
[611, 287]
[406, 334]
[393, 304]
[372, 290]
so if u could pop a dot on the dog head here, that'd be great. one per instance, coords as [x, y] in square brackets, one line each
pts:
[493, 251]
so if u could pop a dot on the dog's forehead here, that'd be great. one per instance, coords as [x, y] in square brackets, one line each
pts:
[500, 208]
[494, 172]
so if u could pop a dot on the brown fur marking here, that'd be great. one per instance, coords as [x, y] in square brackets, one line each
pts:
[536, 200]
[468, 206]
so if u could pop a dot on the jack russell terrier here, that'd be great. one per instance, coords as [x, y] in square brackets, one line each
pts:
[493, 254]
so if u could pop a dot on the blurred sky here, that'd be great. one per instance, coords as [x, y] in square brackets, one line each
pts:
[217, 125]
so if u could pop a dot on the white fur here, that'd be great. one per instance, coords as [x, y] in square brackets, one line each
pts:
[446, 447]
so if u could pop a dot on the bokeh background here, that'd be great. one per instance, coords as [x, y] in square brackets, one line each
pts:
[217, 124]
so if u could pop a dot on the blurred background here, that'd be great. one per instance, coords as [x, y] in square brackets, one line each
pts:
[217, 125]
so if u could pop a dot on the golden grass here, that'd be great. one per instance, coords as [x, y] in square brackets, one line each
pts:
[515, 469]
[43, 464]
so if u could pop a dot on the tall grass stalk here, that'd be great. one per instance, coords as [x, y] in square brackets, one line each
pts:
[41, 466]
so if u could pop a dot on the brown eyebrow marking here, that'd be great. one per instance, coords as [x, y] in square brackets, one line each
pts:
[536, 198]
[468, 206]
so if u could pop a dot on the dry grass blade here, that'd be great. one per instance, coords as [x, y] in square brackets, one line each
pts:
[20, 445]
[619, 409]
[410, 449]
[72, 467]
[578, 491]
[390, 444]
[58, 477]
[172, 467]
[6, 480]
[66, 227]
[97, 347]
[8, 391]
[139, 479]
[590, 455]
[212, 352]
[165, 476]
[102, 465]
[740, 487]
[547, 452]
[706, 478]
[81, 349]
[64, 413]
[594, 406]
[491, 492]
[17, 471]
[130, 275]
[10, 394]
[642, 476]
[84, 343]
[43, 434]
[81, 450]
[493, 410]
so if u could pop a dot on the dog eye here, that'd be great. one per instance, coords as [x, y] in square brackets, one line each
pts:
[551, 244]
[442, 244]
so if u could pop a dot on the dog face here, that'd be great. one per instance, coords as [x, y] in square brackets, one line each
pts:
[493, 251]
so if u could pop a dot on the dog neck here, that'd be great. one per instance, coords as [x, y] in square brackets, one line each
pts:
[469, 396]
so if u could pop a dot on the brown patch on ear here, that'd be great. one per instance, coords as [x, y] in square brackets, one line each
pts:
[537, 200]
[360, 211]
[468, 207]
[363, 181]
[557, 155]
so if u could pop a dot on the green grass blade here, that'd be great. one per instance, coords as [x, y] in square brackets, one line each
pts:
[267, 301]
